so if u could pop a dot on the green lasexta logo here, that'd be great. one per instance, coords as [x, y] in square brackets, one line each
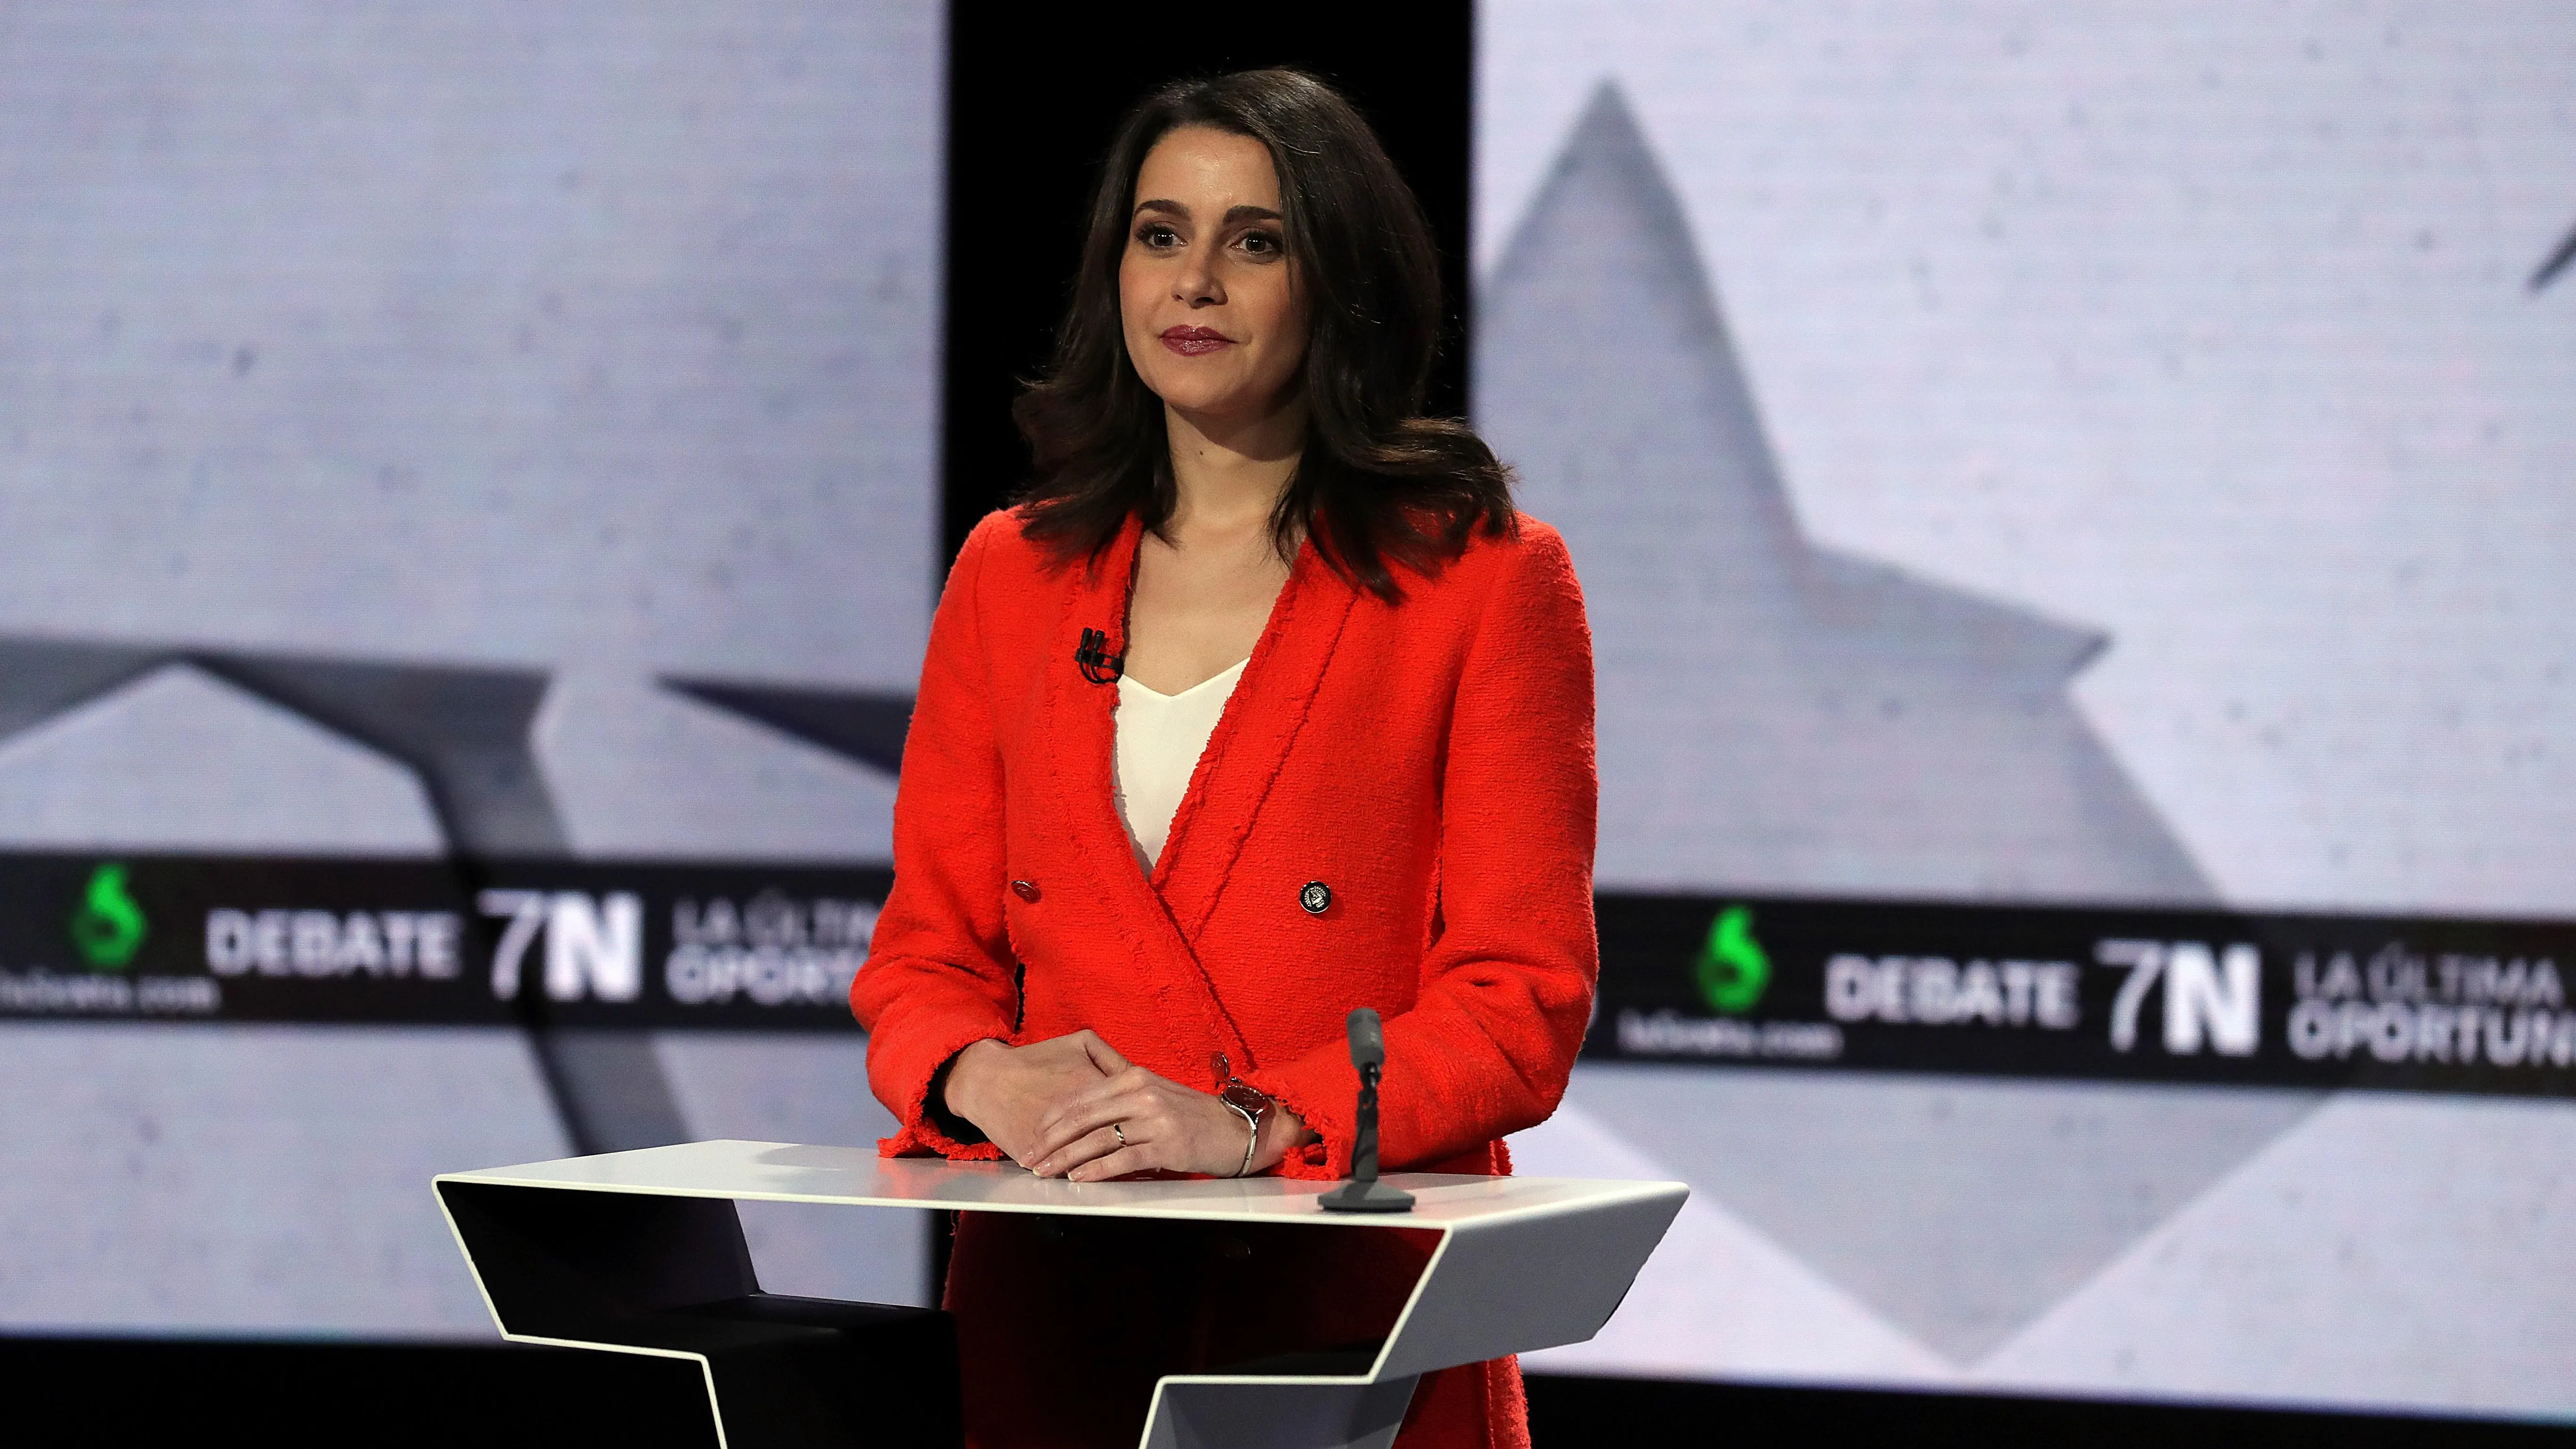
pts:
[108, 928]
[1733, 968]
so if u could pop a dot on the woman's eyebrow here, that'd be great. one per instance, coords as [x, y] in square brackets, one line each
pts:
[1234, 215]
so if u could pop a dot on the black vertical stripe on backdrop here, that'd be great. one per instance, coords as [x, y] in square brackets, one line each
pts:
[1033, 94]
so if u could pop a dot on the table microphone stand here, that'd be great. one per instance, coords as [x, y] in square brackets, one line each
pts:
[1364, 1193]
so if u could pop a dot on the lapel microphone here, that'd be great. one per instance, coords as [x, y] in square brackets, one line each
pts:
[1097, 663]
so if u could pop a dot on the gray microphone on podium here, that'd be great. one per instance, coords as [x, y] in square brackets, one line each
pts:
[1364, 1193]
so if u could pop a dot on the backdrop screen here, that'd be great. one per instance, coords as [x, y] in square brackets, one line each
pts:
[448, 455]
[2075, 511]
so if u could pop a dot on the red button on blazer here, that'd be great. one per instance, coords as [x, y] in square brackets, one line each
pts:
[1429, 761]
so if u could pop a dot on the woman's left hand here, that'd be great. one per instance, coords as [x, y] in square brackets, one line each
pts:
[1166, 1126]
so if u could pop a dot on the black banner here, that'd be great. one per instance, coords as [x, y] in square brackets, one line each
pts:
[2419, 1004]
[196, 938]
[2413, 1004]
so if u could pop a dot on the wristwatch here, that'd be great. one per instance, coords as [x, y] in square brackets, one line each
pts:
[1251, 1106]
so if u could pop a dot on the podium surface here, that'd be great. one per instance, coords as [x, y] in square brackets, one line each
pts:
[639, 1252]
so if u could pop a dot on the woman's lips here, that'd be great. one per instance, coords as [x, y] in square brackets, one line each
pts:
[1195, 341]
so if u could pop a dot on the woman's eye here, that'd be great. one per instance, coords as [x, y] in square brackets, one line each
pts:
[1157, 236]
[1261, 244]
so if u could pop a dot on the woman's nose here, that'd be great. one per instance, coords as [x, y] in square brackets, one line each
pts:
[1197, 284]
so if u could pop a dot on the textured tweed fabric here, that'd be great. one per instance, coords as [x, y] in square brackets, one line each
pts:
[1429, 761]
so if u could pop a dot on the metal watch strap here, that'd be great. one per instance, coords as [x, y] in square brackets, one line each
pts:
[1251, 1118]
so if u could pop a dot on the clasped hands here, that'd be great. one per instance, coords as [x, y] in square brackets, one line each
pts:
[1060, 1108]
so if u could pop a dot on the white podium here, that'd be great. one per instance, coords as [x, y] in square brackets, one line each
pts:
[641, 1252]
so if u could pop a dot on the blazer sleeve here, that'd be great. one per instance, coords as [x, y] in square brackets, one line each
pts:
[1507, 980]
[939, 973]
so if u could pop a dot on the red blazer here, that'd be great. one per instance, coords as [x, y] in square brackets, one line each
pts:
[1430, 763]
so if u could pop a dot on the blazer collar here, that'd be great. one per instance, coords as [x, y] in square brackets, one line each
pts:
[1250, 746]
[1160, 920]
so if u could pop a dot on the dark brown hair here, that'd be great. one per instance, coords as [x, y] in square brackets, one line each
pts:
[1377, 482]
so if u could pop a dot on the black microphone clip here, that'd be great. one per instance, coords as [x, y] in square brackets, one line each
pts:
[1097, 663]
[1364, 1193]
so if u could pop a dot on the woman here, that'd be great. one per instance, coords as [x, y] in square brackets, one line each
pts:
[1260, 706]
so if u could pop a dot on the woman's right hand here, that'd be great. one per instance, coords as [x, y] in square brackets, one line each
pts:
[1006, 1091]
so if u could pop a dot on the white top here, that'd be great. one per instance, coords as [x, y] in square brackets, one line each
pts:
[1160, 739]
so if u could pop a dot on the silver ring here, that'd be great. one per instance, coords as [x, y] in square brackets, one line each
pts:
[1119, 1130]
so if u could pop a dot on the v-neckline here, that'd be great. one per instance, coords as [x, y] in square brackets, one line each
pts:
[1243, 697]
[1233, 671]
[1163, 912]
